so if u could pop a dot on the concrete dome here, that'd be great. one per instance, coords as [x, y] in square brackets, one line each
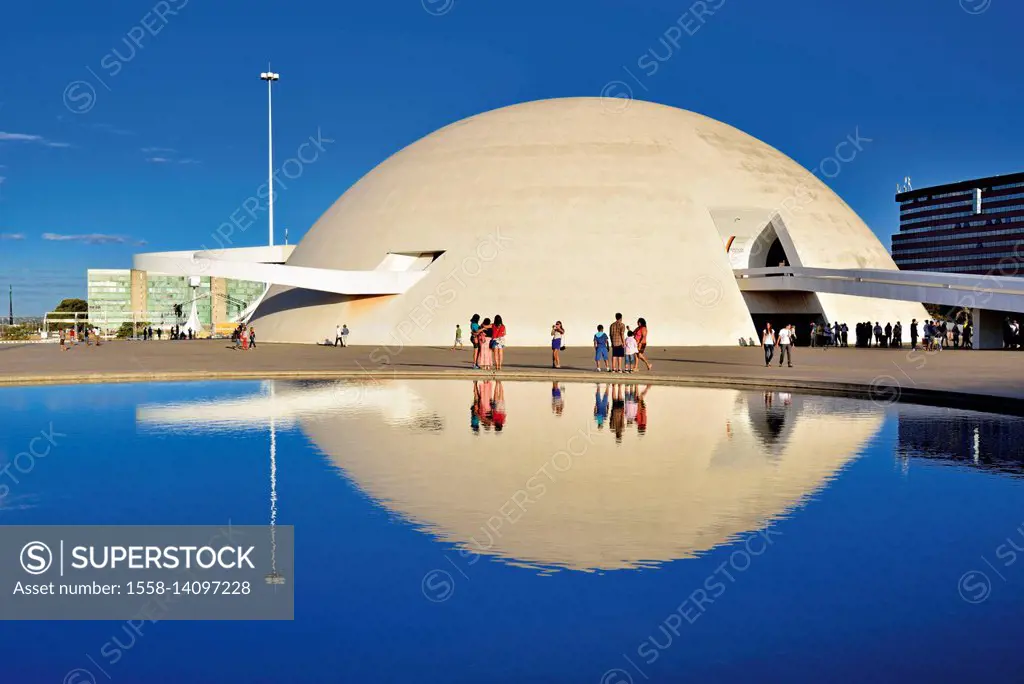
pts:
[571, 209]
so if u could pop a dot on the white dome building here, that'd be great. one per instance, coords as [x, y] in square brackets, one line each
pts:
[569, 209]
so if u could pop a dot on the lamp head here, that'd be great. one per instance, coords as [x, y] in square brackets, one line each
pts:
[269, 76]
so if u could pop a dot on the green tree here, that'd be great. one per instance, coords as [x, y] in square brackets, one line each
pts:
[73, 306]
[127, 329]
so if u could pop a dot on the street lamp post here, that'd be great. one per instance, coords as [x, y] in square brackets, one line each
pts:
[270, 77]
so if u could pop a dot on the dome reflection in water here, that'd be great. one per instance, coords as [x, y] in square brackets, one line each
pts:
[593, 477]
[465, 530]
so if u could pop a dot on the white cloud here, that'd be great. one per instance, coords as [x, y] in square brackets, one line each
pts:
[29, 137]
[20, 136]
[12, 236]
[89, 238]
[158, 149]
[158, 160]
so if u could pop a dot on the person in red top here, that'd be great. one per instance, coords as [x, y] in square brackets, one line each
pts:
[640, 335]
[498, 342]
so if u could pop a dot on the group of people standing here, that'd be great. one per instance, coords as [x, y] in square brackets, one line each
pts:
[824, 335]
[620, 350]
[175, 333]
[889, 336]
[69, 337]
[488, 339]
[628, 346]
[944, 335]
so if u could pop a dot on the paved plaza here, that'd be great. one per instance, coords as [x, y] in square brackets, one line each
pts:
[986, 380]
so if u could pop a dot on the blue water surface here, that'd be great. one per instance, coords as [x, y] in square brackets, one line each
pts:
[864, 576]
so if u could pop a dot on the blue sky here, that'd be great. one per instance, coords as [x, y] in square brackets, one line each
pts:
[130, 122]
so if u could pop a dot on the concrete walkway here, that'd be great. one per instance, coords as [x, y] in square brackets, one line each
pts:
[985, 380]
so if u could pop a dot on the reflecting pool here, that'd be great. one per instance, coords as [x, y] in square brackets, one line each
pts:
[487, 531]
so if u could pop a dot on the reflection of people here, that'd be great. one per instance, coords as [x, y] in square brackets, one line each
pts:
[600, 405]
[498, 406]
[557, 403]
[618, 412]
[484, 409]
[641, 413]
[632, 406]
[474, 408]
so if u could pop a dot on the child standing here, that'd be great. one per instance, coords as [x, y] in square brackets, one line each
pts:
[458, 337]
[631, 350]
[601, 349]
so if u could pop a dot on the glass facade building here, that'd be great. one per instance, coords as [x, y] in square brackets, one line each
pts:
[974, 227]
[111, 302]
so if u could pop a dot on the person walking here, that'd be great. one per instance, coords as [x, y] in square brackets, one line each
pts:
[601, 349]
[344, 334]
[617, 333]
[557, 331]
[337, 336]
[458, 337]
[768, 342]
[785, 340]
[252, 337]
[640, 334]
[63, 339]
[913, 334]
[498, 342]
[814, 336]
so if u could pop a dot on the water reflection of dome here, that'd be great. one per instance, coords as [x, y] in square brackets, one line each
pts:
[703, 474]
[713, 464]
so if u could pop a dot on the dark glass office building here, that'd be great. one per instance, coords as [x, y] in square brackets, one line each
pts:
[974, 226]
